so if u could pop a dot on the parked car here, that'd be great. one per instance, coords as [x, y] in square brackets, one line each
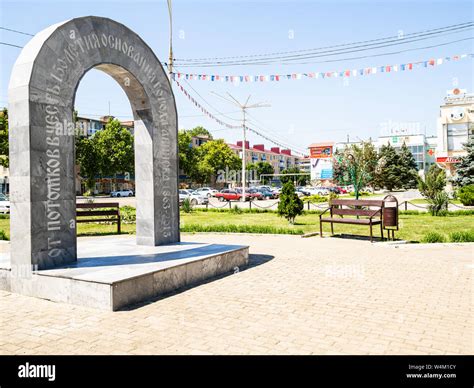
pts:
[4, 204]
[267, 194]
[208, 191]
[122, 193]
[318, 191]
[255, 194]
[194, 198]
[303, 190]
[232, 195]
[342, 190]
[335, 190]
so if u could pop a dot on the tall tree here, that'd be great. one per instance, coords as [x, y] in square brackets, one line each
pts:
[115, 149]
[390, 168]
[356, 165]
[186, 153]
[465, 168]
[4, 145]
[301, 180]
[87, 156]
[211, 157]
[261, 168]
[200, 131]
[408, 168]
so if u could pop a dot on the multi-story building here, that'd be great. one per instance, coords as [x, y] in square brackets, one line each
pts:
[455, 128]
[421, 146]
[280, 159]
[304, 164]
[88, 126]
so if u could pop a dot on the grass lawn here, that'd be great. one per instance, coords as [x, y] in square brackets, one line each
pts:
[423, 201]
[412, 227]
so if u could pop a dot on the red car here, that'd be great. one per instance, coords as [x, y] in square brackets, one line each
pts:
[342, 190]
[232, 195]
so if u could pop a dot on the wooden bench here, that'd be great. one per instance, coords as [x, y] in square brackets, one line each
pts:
[353, 207]
[89, 211]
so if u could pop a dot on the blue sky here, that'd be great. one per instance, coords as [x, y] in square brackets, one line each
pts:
[301, 112]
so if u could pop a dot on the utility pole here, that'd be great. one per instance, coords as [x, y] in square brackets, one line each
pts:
[170, 59]
[243, 108]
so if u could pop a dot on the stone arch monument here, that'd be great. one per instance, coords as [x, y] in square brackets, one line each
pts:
[42, 173]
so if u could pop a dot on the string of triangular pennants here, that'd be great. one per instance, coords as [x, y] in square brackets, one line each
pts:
[224, 124]
[371, 70]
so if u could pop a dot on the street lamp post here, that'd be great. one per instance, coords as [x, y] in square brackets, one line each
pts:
[243, 108]
[170, 59]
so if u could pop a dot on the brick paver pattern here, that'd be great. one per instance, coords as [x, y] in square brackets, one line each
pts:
[298, 296]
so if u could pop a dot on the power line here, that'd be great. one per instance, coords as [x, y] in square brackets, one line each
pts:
[203, 115]
[195, 91]
[278, 143]
[382, 54]
[16, 31]
[291, 61]
[397, 40]
[259, 125]
[10, 44]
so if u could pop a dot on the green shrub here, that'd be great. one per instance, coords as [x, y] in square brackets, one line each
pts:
[462, 236]
[315, 198]
[290, 204]
[361, 193]
[128, 214]
[333, 196]
[187, 206]
[236, 210]
[466, 195]
[433, 237]
[3, 235]
[438, 204]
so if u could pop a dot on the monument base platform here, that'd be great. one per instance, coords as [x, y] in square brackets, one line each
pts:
[112, 272]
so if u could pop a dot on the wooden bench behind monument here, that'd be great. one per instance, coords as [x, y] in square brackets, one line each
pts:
[370, 210]
[98, 212]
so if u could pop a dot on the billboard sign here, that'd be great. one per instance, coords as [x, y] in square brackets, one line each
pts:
[321, 168]
[321, 152]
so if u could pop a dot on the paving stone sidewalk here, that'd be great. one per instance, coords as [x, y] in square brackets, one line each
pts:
[299, 296]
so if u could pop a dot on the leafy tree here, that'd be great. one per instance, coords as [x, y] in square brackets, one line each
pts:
[465, 168]
[301, 180]
[115, 149]
[290, 205]
[356, 166]
[432, 188]
[212, 156]
[186, 153]
[200, 131]
[261, 168]
[87, 156]
[4, 145]
[408, 168]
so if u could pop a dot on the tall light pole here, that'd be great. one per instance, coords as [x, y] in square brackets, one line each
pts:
[243, 108]
[170, 59]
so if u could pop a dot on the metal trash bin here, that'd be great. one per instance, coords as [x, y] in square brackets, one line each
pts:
[390, 215]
